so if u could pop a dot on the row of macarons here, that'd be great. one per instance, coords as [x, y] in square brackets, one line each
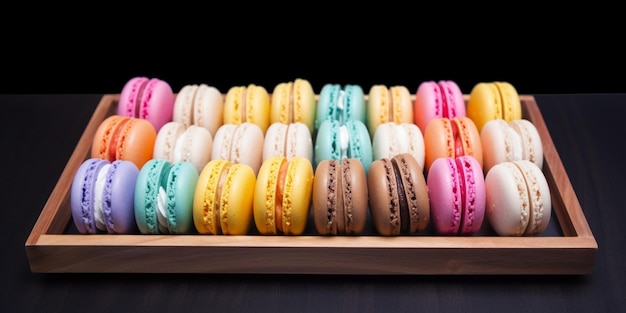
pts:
[296, 101]
[227, 198]
[134, 139]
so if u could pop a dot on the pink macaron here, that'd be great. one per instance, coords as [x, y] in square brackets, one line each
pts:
[147, 98]
[436, 100]
[456, 188]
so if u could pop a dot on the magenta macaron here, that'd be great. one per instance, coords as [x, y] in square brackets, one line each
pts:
[102, 196]
[456, 188]
[436, 100]
[147, 98]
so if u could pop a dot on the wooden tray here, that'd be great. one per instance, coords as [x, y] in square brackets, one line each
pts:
[570, 249]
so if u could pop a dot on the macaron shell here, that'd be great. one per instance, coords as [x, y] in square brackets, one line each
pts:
[383, 198]
[222, 142]
[500, 143]
[539, 196]
[511, 105]
[438, 140]
[428, 104]
[82, 195]
[470, 138]
[297, 196]
[454, 98]
[118, 197]
[326, 106]
[130, 97]
[391, 139]
[532, 147]
[265, 195]
[356, 108]
[166, 138]
[508, 206]
[327, 198]
[157, 103]
[360, 146]
[254, 100]
[194, 145]
[327, 146]
[475, 194]
[149, 181]
[444, 190]
[206, 202]
[484, 104]
[248, 146]
[416, 191]
[181, 183]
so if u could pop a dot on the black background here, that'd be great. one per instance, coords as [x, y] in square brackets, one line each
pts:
[538, 51]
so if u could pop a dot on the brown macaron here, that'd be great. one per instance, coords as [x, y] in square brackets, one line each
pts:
[398, 196]
[340, 197]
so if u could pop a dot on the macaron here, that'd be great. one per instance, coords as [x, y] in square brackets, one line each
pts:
[223, 198]
[288, 140]
[240, 144]
[445, 137]
[340, 197]
[510, 141]
[335, 141]
[164, 195]
[341, 104]
[124, 138]
[388, 104]
[292, 102]
[147, 98]
[493, 100]
[398, 196]
[177, 143]
[282, 196]
[199, 104]
[456, 189]
[436, 100]
[518, 199]
[391, 139]
[247, 104]
[102, 197]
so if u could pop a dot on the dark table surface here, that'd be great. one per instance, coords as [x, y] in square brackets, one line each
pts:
[42, 131]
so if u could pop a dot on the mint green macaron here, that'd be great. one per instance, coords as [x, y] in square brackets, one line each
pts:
[164, 197]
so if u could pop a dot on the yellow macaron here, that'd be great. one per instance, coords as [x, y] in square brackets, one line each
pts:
[247, 104]
[282, 197]
[223, 198]
[493, 100]
[294, 102]
[388, 104]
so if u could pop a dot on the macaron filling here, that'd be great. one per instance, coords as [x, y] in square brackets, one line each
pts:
[344, 142]
[279, 211]
[458, 139]
[347, 226]
[402, 198]
[98, 202]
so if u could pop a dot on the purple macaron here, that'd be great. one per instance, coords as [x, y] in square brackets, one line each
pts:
[102, 196]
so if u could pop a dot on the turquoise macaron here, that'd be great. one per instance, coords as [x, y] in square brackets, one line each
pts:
[164, 197]
[340, 104]
[336, 141]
